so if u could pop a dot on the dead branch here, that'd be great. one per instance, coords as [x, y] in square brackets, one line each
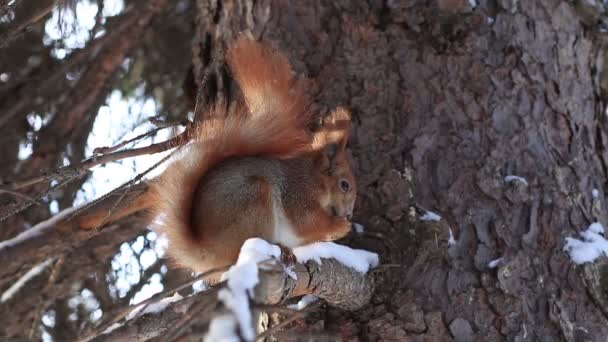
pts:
[27, 23]
[69, 173]
[90, 87]
[292, 317]
[80, 261]
[59, 234]
[121, 313]
[159, 125]
[333, 282]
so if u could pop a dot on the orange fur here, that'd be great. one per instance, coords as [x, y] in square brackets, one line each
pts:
[273, 122]
[261, 156]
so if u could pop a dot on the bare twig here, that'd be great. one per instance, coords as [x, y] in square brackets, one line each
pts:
[26, 24]
[75, 171]
[124, 312]
[124, 187]
[178, 328]
[44, 302]
[159, 125]
[294, 316]
[15, 209]
[17, 194]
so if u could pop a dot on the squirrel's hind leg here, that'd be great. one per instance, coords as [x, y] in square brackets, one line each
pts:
[243, 212]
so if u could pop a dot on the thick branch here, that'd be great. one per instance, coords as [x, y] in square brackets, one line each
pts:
[337, 284]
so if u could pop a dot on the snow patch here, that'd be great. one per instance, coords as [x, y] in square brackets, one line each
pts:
[162, 304]
[494, 263]
[304, 302]
[513, 178]
[595, 193]
[111, 328]
[243, 276]
[222, 328]
[34, 271]
[153, 307]
[241, 280]
[430, 216]
[451, 240]
[357, 259]
[359, 228]
[591, 247]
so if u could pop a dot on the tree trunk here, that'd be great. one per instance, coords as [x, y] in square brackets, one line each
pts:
[448, 101]
[479, 146]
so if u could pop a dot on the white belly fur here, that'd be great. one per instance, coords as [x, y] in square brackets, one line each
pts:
[283, 229]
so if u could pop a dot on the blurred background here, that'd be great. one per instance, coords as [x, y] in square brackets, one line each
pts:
[76, 75]
[479, 145]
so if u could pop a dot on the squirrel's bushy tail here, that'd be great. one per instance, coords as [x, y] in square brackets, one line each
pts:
[272, 119]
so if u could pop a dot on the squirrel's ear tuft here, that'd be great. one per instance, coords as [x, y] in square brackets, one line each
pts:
[266, 79]
[335, 128]
[341, 121]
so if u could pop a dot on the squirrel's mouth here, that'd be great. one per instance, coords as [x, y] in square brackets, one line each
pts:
[334, 212]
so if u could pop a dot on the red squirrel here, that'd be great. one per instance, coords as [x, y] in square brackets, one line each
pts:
[256, 169]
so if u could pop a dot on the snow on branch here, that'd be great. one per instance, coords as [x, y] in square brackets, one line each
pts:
[258, 278]
[591, 247]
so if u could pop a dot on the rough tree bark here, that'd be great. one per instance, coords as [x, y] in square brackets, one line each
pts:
[447, 102]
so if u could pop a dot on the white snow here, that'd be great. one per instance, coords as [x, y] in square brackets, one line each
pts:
[359, 228]
[112, 328]
[304, 302]
[357, 259]
[591, 247]
[494, 263]
[430, 216]
[241, 280]
[199, 286]
[451, 240]
[156, 307]
[34, 271]
[162, 304]
[222, 329]
[512, 178]
[595, 193]
[473, 3]
[38, 228]
[135, 312]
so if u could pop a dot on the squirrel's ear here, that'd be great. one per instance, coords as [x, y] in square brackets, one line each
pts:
[335, 128]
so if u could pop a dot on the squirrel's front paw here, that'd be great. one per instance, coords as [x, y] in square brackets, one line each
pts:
[287, 256]
[340, 229]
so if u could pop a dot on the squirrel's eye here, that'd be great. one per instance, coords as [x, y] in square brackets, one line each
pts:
[344, 185]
